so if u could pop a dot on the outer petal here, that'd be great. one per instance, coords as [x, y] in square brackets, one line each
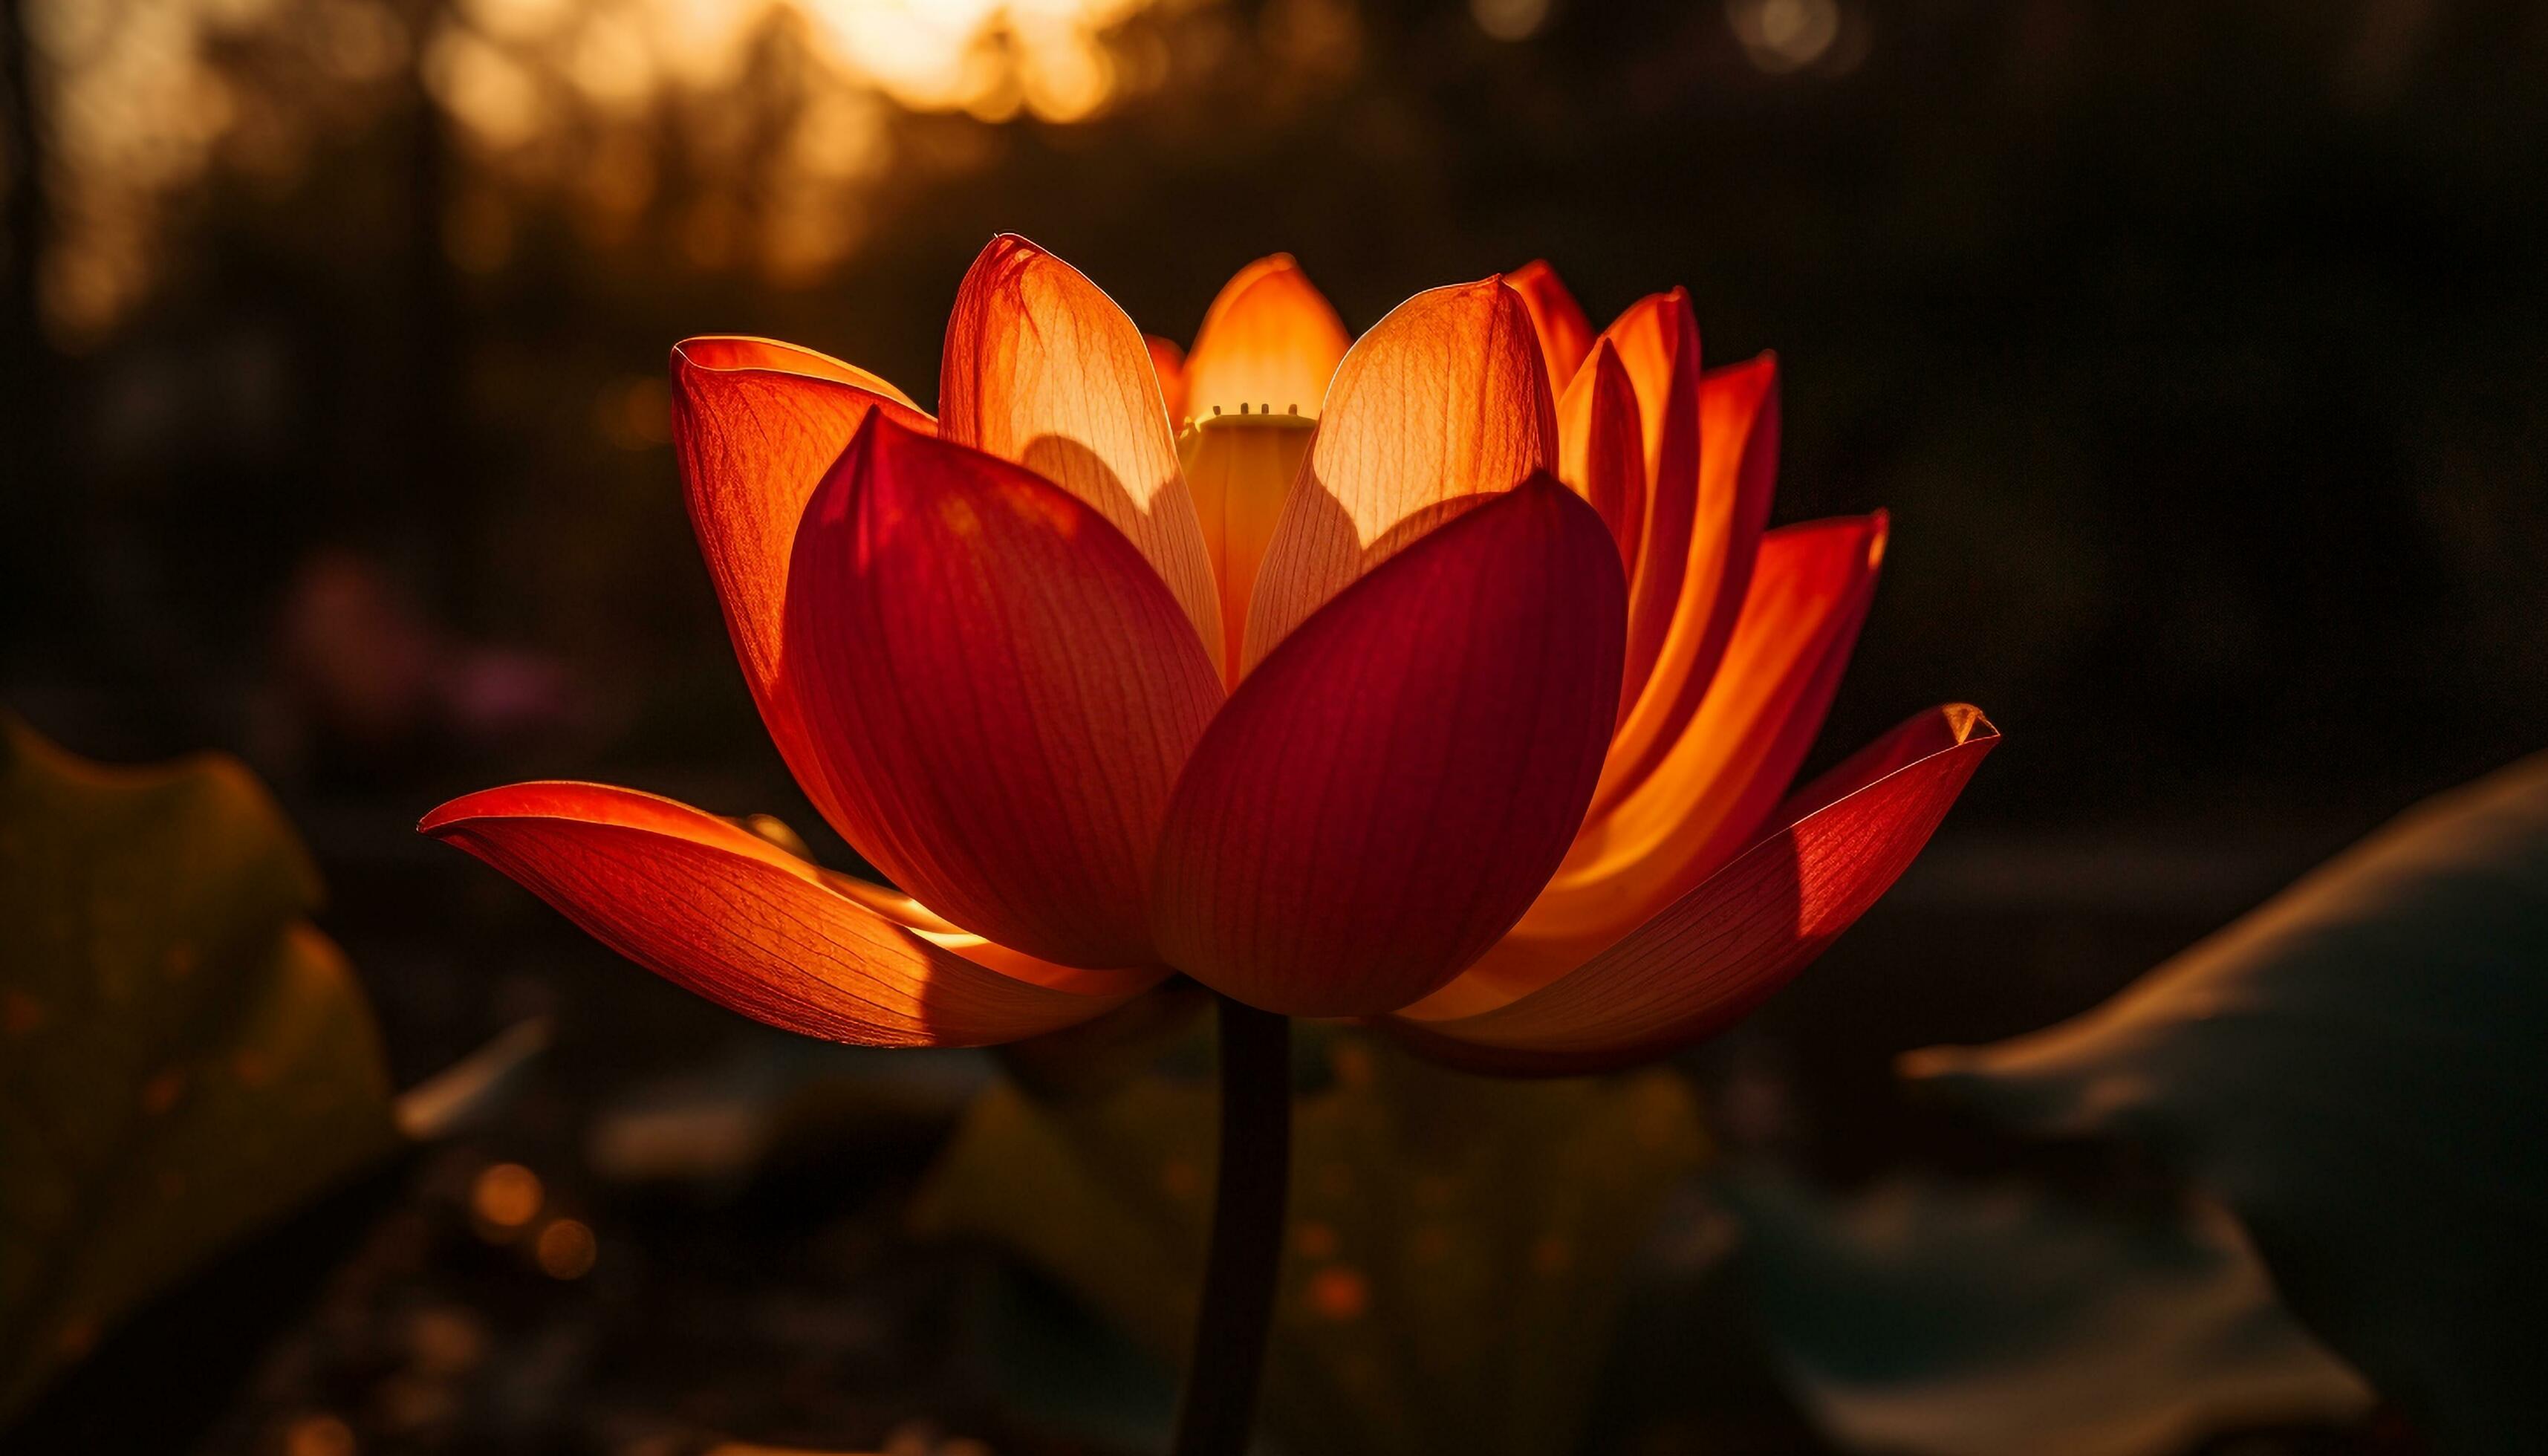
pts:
[756, 424]
[1003, 689]
[1269, 340]
[1565, 334]
[1044, 370]
[722, 913]
[1716, 953]
[1657, 341]
[1738, 471]
[1711, 794]
[1387, 791]
[1600, 455]
[1442, 401]
[1168, 362]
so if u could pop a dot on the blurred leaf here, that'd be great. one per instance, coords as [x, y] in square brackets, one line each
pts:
[1455, 1255]
[2355, 1069]
[185, 1055]
[2000, 1322]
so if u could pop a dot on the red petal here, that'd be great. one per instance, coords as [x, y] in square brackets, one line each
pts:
[1444, 401]
[1003, 689]
[1709, 796]
[1270, 341]
[722, 913]
[1657, 341]
[1565, 334]
[1717, 952]
[1043, 370]
[1599, 451]
[1738, 470]
[1386, 792]
[755, 424]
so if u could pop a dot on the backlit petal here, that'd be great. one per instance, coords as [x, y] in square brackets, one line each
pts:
[1738, 470]
[1600, 453]
[1386, 792]
[1270, 341]
[1042, 369]
[1003, 690]
[755, 425]
[1717, 952]
[1168, 362]
[1710, 795]
[722, 913]
[1442, 401]
[1565, 334]
[1657, 341]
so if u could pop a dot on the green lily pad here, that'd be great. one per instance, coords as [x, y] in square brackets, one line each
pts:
[2000, 1321]
[182, 1055]
[2355, 1069]
[1454, 1260]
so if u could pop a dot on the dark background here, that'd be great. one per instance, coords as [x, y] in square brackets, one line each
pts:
[2197, 350]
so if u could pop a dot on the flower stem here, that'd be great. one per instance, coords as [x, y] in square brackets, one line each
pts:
[1219, 1407]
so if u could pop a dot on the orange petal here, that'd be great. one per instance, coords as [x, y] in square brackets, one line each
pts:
[1044, 370]
[1716, 953]
[1444, 401]
[1565, 334]
[1269, 341]
[1657, 341]
[755, 424]
[1168, 362]
[720, 911]
[1386, 792]
[1710, 795]
[1600, 452]
[1003, 692]
[730, 351]
[1738, 470]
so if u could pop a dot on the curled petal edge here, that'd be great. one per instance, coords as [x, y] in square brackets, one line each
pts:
[1712, 956]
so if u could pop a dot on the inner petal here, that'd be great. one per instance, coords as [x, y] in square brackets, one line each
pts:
[1269, 339]
[1239, 468]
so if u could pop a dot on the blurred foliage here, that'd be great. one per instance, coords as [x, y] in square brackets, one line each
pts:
[1455, 1258]
[2003, 1321]
[2353, 1069]
[186, 1056]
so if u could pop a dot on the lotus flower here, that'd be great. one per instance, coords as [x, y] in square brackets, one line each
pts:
[1447, 679]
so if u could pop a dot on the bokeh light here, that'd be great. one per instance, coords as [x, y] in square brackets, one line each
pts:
[505, 1196]
[1786, 34]
[566, 1249]
[571, 96]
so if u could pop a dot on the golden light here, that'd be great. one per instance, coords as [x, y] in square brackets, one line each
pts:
[506, 1196]
[554, 96]
[1784, 35]
[1509, 20]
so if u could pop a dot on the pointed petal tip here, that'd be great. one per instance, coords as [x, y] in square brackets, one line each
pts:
[727, 354]
[1710, 959]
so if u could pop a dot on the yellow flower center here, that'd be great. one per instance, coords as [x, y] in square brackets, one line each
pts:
[1239, 468]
